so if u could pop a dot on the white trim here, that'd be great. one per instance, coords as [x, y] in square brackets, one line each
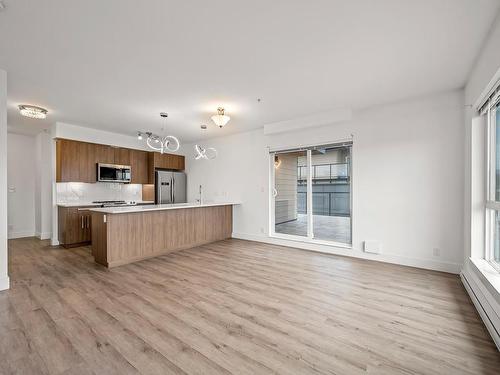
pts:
[4, 283]
[20, 234]
[43, 235]
[489, 89]
[303, 147]
[487, 306]
[296, 238]
[429, 264]
[309, 196]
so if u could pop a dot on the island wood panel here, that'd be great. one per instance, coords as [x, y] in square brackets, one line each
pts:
[99, 236]
[129, 237]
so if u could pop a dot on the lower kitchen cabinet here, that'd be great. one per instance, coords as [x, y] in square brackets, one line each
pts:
[74, 226]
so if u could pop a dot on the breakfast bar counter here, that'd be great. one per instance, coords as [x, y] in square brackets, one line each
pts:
[122, 235]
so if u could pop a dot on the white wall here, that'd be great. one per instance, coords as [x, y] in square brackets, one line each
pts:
[407, 179]
[21, 176]
[43, 186]
[4, 278]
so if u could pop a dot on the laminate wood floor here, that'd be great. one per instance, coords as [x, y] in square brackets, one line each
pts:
[235, 307]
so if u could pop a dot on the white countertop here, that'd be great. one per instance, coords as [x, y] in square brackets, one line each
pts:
[158, 207]
[90, 204]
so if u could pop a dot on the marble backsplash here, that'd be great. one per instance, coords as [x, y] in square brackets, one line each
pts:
[74, 192]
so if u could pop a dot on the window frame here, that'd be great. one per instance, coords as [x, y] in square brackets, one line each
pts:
[310, 227]
[492, 205]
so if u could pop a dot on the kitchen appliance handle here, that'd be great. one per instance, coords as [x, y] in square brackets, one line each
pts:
[172, 190]
[159, 190]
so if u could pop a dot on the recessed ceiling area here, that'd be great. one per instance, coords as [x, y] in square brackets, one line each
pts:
[114, 65]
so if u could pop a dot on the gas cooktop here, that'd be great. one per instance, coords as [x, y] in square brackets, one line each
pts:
[114, 203]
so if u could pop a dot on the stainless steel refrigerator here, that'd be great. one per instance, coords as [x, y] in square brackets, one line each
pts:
[170, 187]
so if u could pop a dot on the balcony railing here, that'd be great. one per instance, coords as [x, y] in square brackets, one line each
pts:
[326, 203]
[324, 172]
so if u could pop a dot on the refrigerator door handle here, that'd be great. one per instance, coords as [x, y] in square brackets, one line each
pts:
[159, 191]
[172, 181]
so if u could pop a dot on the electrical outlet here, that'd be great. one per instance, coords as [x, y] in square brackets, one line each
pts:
[436, 252]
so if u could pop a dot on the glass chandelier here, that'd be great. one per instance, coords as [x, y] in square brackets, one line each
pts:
[220, 119]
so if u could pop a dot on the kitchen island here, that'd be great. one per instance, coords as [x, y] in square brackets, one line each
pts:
[122, 235]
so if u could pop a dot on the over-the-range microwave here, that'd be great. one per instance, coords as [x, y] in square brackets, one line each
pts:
[113, 173]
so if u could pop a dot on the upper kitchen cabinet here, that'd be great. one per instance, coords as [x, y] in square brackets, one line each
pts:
[122, 156]
[75, 161]
[167, 161]
[139, 166]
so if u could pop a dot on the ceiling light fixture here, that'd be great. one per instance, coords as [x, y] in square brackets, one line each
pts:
[220, 119]
[32, 111]
[205, 153]
[161, 143]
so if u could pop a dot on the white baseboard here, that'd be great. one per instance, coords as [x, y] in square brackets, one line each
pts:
[43, 235]
[486, 305]
[21, 234]
[4, 283]
[449, 267]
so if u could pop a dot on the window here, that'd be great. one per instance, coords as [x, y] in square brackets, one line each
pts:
[311, 193]
[492, 253]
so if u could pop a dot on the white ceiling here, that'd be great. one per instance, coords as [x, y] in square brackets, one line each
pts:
[116, 64]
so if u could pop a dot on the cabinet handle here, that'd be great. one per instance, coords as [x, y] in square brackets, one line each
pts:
[88, 221]
[82, 222]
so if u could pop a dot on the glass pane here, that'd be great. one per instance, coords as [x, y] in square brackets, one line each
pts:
[331, 192]
[290, 184]
[496, 117]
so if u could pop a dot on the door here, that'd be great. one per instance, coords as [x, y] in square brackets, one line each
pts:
[290, 193]
[164, 192]
[179, 187]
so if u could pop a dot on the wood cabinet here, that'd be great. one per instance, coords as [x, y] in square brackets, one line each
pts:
[74, 225]
[164, 161]
[76, 161]
[139, 166]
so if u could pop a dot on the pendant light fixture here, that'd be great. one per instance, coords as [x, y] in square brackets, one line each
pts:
[220, 119]
[159, 143]
[205, 153]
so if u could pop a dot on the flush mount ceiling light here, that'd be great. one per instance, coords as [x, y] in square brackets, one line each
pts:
[220, 119]
[32, 111]
[205, 153]
[158, 142]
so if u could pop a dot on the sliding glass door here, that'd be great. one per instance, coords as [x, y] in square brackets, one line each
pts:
[290, 186]
[311, 195]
